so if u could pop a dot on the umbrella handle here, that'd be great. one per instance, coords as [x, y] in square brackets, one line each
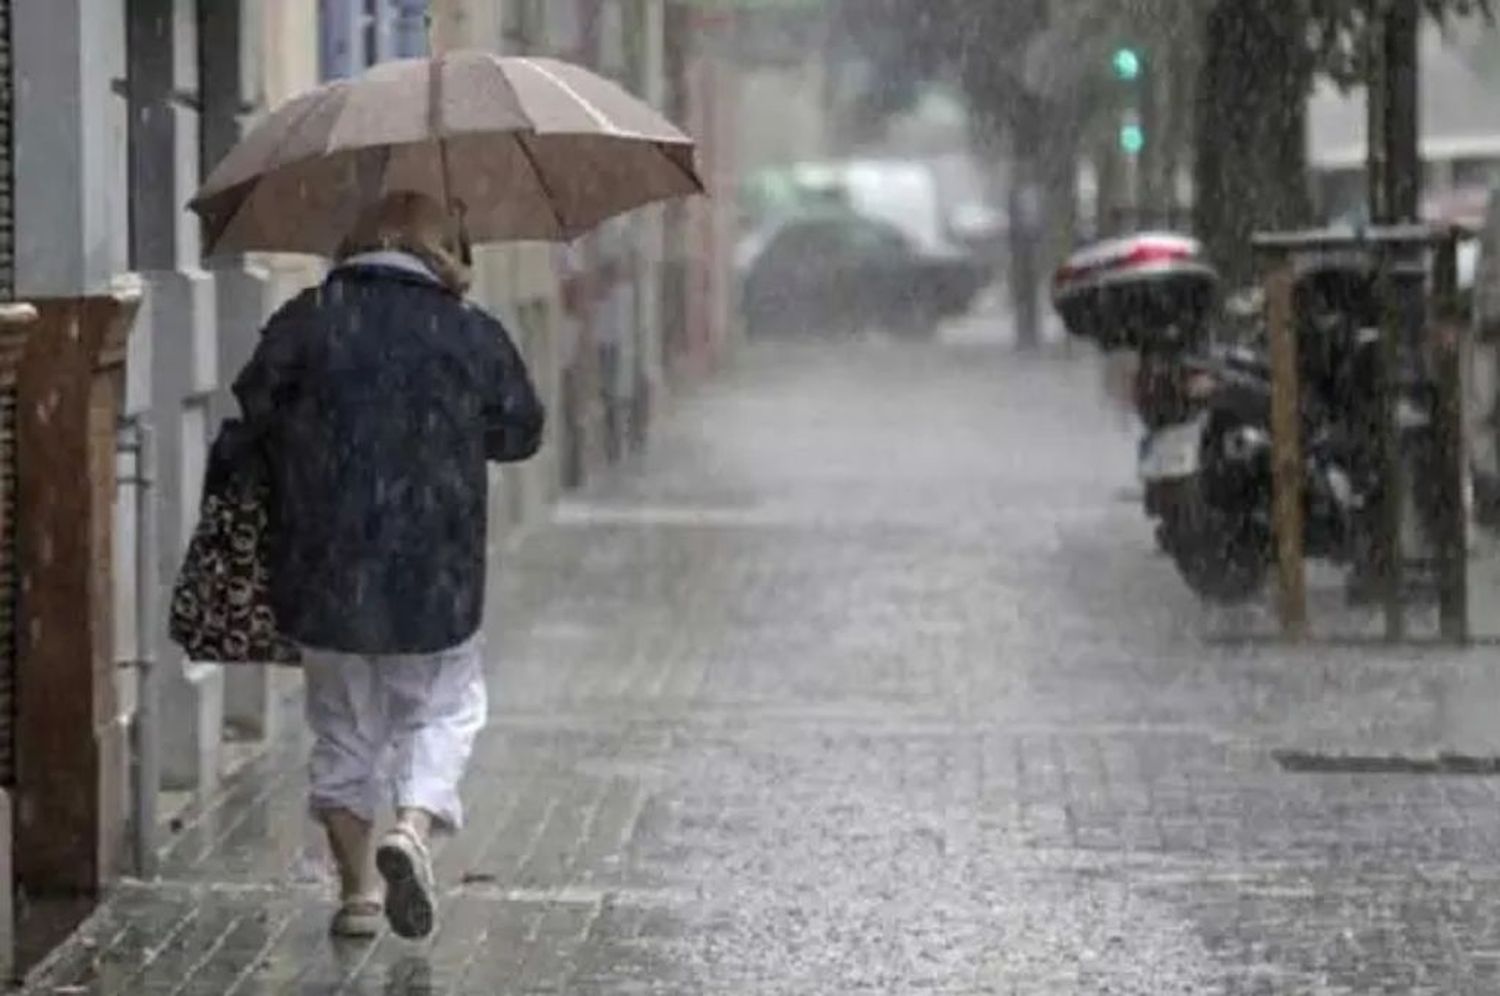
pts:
[456, 207]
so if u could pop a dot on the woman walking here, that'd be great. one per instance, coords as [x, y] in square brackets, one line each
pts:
[378, 398]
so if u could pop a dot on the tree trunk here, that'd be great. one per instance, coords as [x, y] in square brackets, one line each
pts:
[1252, 160]
[1027, 215]
[1401, 136]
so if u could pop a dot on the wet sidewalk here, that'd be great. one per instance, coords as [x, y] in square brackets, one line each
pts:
[868, 680]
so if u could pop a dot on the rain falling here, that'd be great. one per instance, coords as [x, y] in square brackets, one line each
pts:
[749, 496]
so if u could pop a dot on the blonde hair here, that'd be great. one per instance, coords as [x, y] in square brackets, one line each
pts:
[414, 223]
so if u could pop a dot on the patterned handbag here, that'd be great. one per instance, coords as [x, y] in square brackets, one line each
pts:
[221, 607]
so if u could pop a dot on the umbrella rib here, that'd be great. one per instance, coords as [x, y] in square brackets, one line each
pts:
[600, 118]
[293, 131]
[541, 181]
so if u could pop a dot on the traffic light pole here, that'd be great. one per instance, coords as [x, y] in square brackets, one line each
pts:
[1131, 137]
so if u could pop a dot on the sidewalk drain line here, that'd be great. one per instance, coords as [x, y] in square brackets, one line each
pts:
[1310, 763]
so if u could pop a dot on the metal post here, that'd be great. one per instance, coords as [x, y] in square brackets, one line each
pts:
[1286, 449]
[1448, 331]
[146, 727]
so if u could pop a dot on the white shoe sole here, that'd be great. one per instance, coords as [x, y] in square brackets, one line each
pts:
[409, 903]
[356, 926]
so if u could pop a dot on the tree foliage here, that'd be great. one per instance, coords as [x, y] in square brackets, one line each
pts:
[982, 44]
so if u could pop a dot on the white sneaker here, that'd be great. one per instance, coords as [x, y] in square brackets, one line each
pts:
[410, 888]
[357, 920]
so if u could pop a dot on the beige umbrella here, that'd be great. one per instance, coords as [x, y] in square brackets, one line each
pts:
[524, 149]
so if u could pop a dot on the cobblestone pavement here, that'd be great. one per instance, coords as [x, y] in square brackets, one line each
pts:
[868, 680]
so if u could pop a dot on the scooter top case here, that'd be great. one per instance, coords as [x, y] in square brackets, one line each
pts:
[1151, 290]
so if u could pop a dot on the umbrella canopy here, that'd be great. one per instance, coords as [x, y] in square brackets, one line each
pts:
[524, 149]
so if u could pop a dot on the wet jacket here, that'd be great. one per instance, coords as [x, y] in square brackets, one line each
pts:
[378, 397]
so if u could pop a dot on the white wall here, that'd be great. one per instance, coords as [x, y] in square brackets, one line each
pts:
[70, 146]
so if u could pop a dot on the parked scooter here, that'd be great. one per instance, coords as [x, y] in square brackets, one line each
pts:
[1203, 392]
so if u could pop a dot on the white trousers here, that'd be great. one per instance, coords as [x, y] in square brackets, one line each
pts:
[394, 727]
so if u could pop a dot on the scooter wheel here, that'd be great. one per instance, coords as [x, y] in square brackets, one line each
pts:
[1224, 556]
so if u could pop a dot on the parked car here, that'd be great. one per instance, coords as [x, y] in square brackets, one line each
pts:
[840, 271]
[940, 202]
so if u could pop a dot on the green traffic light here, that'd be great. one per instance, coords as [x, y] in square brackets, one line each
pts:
[1132, 139]
[1127, 63]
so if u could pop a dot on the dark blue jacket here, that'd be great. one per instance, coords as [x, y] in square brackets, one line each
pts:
[378, 398]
